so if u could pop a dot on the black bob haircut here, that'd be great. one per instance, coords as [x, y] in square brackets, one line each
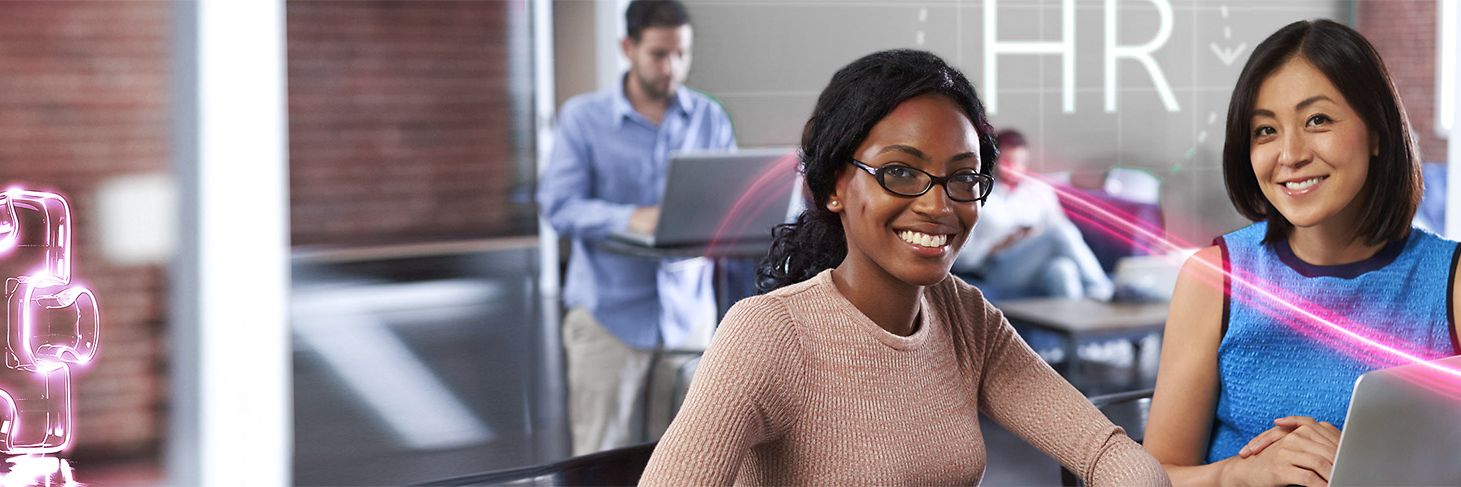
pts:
[643, 14]
[1393, 185]
[857, 98]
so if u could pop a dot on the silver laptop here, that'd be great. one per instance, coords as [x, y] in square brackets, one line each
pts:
[1403, 428]
[722, 197]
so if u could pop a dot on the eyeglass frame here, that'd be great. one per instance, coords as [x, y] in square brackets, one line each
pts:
[878, 172]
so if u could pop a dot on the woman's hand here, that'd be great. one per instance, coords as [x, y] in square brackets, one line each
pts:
[1298, 451]
[1282, 427]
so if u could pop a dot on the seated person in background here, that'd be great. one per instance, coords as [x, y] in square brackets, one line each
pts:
[1024, 246]
[866, 362]
[1318, 153]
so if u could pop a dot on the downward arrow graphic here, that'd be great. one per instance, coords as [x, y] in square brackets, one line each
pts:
[1227, 56]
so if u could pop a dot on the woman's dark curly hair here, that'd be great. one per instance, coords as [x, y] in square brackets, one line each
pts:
[856, 99]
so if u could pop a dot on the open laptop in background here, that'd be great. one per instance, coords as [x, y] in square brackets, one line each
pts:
[703, 191]
[1403, 428]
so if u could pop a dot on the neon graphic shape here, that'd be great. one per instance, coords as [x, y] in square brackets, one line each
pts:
[34, 469]
[52, 324]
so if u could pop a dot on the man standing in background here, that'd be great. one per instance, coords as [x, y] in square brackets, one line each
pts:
[606, 173]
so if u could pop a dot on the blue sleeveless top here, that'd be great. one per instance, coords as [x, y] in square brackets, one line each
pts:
[1274, 362]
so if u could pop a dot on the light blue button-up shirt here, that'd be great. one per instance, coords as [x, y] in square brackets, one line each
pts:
[606, 161]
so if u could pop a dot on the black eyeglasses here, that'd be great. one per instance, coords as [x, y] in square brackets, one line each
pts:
[964, 185]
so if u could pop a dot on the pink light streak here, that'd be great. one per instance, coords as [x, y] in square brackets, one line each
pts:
[1302, 316]
[1112, 222]
[754, 199]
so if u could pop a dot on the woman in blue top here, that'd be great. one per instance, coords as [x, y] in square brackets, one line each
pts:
[1318, 153]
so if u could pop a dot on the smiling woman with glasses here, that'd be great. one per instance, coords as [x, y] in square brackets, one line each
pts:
[964, 186]
[866, 362]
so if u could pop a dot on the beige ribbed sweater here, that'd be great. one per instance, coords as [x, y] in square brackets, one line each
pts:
[799, 387]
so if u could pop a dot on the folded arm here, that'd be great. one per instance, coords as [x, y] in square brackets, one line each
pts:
[1022, 392]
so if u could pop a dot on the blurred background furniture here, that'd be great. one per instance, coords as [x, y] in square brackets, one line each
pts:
[1077, 322]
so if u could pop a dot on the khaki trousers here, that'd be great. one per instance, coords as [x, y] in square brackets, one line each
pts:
[605, 385]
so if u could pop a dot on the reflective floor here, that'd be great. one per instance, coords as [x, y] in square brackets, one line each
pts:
[419, 369]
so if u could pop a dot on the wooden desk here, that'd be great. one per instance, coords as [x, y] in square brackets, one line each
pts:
[1081, 321]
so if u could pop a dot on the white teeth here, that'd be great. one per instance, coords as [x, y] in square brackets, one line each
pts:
[1305, 184]
[923, 239]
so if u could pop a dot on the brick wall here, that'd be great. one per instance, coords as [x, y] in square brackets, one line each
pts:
[399, 132]
[84, 97]
[399, 121]
[1404, 31]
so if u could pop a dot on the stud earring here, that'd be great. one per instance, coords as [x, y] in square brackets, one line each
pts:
[834, 203]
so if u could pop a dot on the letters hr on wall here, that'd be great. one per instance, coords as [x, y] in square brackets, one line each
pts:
[1065, 48]
[52, 325]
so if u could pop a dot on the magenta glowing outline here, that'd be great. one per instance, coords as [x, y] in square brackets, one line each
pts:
[1345, 338]
[52, 324]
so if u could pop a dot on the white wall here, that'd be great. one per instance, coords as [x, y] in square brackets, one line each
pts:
[767, 61]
